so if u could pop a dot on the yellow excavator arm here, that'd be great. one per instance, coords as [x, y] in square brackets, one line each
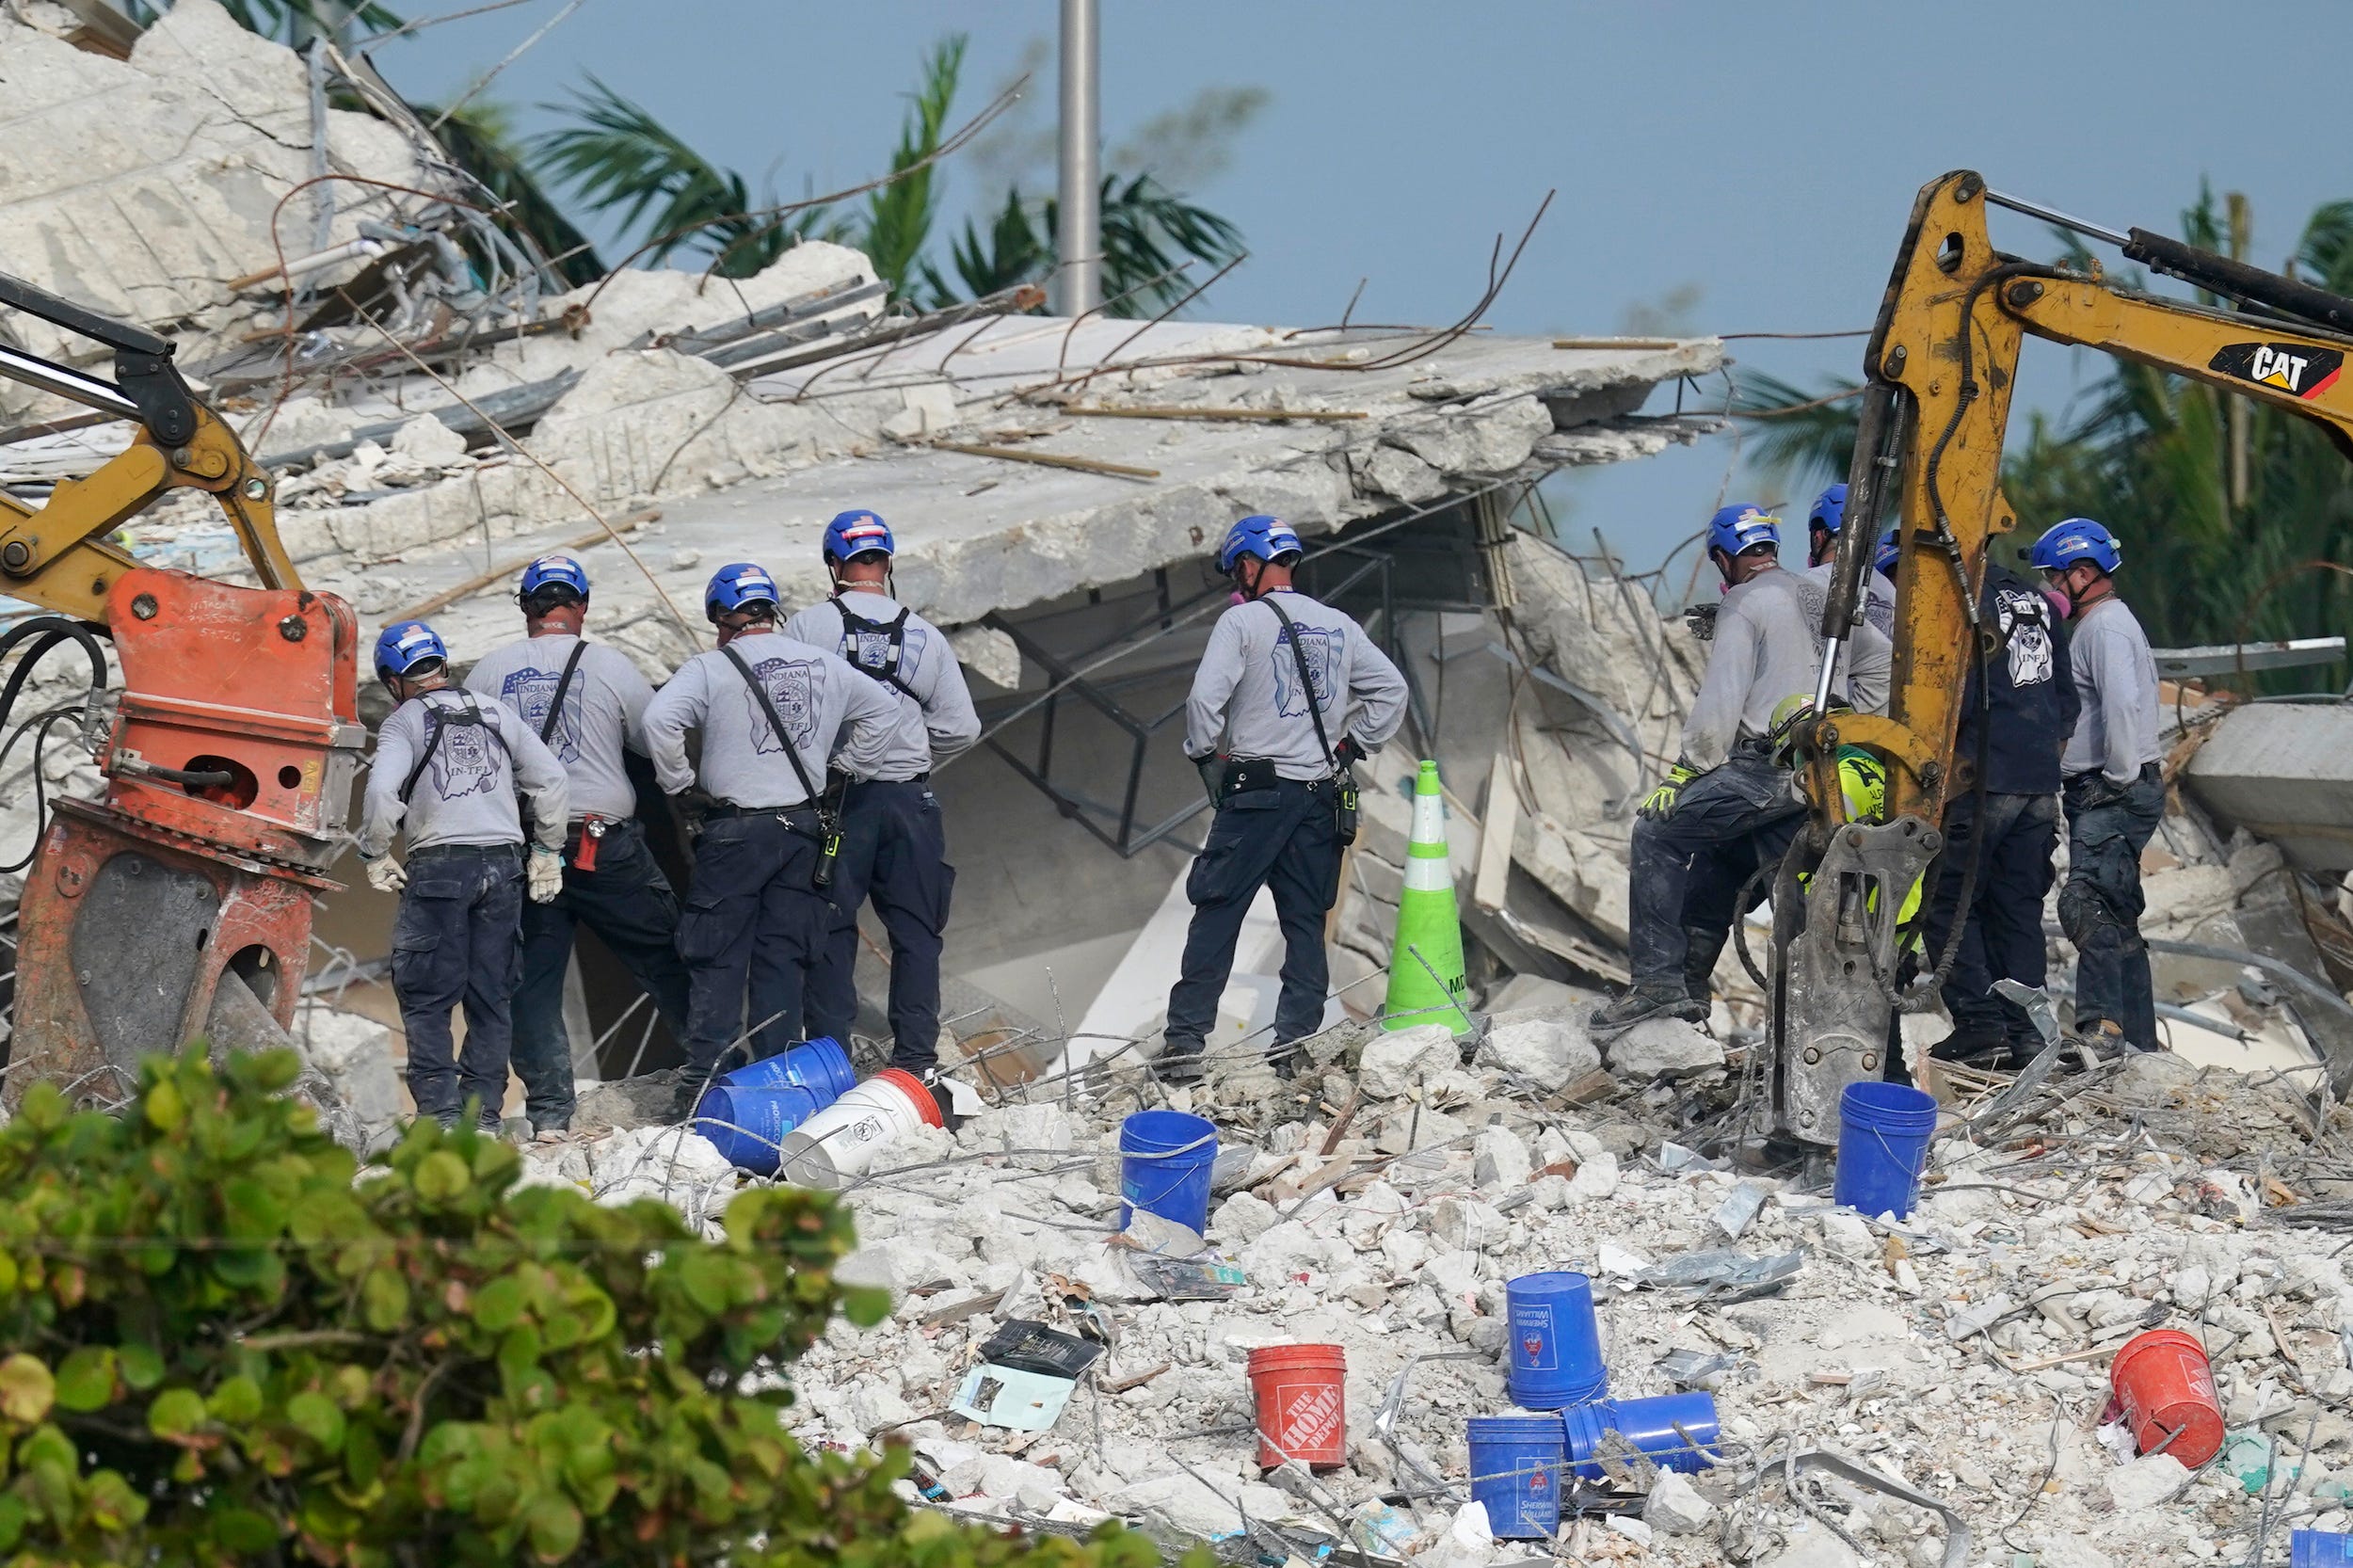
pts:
[1941, 368]
[56, 556]
[1942, 361]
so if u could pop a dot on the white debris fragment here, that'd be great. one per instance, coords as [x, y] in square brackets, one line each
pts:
[1549, 1048]
[2145, 1482]
[1397, 1061]
[1656, 1047]
[1499, 1158]
[1675, 1506]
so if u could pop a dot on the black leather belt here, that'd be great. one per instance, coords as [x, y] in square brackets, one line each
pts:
[802, 817]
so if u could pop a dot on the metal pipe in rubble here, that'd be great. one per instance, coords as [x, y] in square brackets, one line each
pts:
[1079, 238]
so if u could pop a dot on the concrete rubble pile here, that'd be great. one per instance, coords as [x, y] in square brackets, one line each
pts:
[1381, 1203]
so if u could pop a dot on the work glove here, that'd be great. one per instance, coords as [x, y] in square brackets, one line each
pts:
[543, 874]
[1701, 618]
[1348, 753]
[385, 875]
[1659, 804]
[1213, 769]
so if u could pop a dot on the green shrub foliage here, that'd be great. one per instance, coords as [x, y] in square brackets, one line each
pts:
[217, 1346]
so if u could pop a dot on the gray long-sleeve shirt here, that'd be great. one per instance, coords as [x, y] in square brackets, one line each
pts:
[1768, 646]
[935, 715]
[604, 711]
[827, 708]
[2116, 676]
[1247, 687]
[466, 795]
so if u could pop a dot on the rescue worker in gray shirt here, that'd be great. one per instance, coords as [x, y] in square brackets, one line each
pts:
[587, 702]
[892, 845]
[1300, 694]
[1724, 808]
[448, 767]
[770, 709]
[2112, 787]
[1823, 525]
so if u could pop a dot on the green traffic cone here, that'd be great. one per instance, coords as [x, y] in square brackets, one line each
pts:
[1425, 983]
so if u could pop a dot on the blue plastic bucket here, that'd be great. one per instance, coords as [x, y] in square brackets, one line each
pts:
[1164, 1168]
[1679, 1431]
[747, 1123]
[1515, 1470]
[1554, 1355]
[2319, 1549]
[820, 1066]
[1883, 1133]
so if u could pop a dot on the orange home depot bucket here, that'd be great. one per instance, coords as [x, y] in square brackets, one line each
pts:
[1301, 1394]
[2167, 1390]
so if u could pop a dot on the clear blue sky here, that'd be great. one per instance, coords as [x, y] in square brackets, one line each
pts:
[1765, 154]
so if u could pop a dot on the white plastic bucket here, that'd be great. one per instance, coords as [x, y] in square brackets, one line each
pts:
[843, 1139]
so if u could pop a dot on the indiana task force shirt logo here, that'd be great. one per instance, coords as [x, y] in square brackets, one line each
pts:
[791, 685]
[1327, 648]
[528, 692]
[466, 761]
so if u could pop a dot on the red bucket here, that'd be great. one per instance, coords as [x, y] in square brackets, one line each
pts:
[1301, 1395]
[2167, 1390]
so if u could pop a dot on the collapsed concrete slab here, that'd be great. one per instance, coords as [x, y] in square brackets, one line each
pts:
[2284, 772]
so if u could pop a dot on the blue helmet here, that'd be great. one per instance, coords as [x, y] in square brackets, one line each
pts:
[554, 571]
[2076, 539]
[1829, 510]
[854, 533]
[1260, 536]
[405, 644]
[739, 586]
[1741, 526]
[1885, 558]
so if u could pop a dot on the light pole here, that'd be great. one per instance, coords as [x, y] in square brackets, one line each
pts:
[1079, 235]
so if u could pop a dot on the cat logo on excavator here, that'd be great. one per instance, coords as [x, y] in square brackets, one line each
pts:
[2299, 369]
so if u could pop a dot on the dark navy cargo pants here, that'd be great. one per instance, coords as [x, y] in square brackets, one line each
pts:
[2100, 903]
[1284, 840]
[458, 941]
[2002, 932]
[627, 902]
[753, 924]
[894, 852]
[1685, 873]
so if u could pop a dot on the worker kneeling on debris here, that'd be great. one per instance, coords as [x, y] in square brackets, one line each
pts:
[893, 847]
[587, 702]
[449, 766]
[1724, 804]
[1299, 695]
[771, 710]
[2114, 790]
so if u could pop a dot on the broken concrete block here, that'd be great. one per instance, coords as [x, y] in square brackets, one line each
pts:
[1549, 1049]
[1596, 1178]
[1177, 1502]
[1657, 1047]
[1846, 1235]
[1394, 1060]
[427, 440]
[2145, 1482]
[1466, 1223]
[1675, 1506]
[990, 653]
[1034, 1136]
[1499, 1158]
[355, 1055]
[2185, 897]
[1242, 1218]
